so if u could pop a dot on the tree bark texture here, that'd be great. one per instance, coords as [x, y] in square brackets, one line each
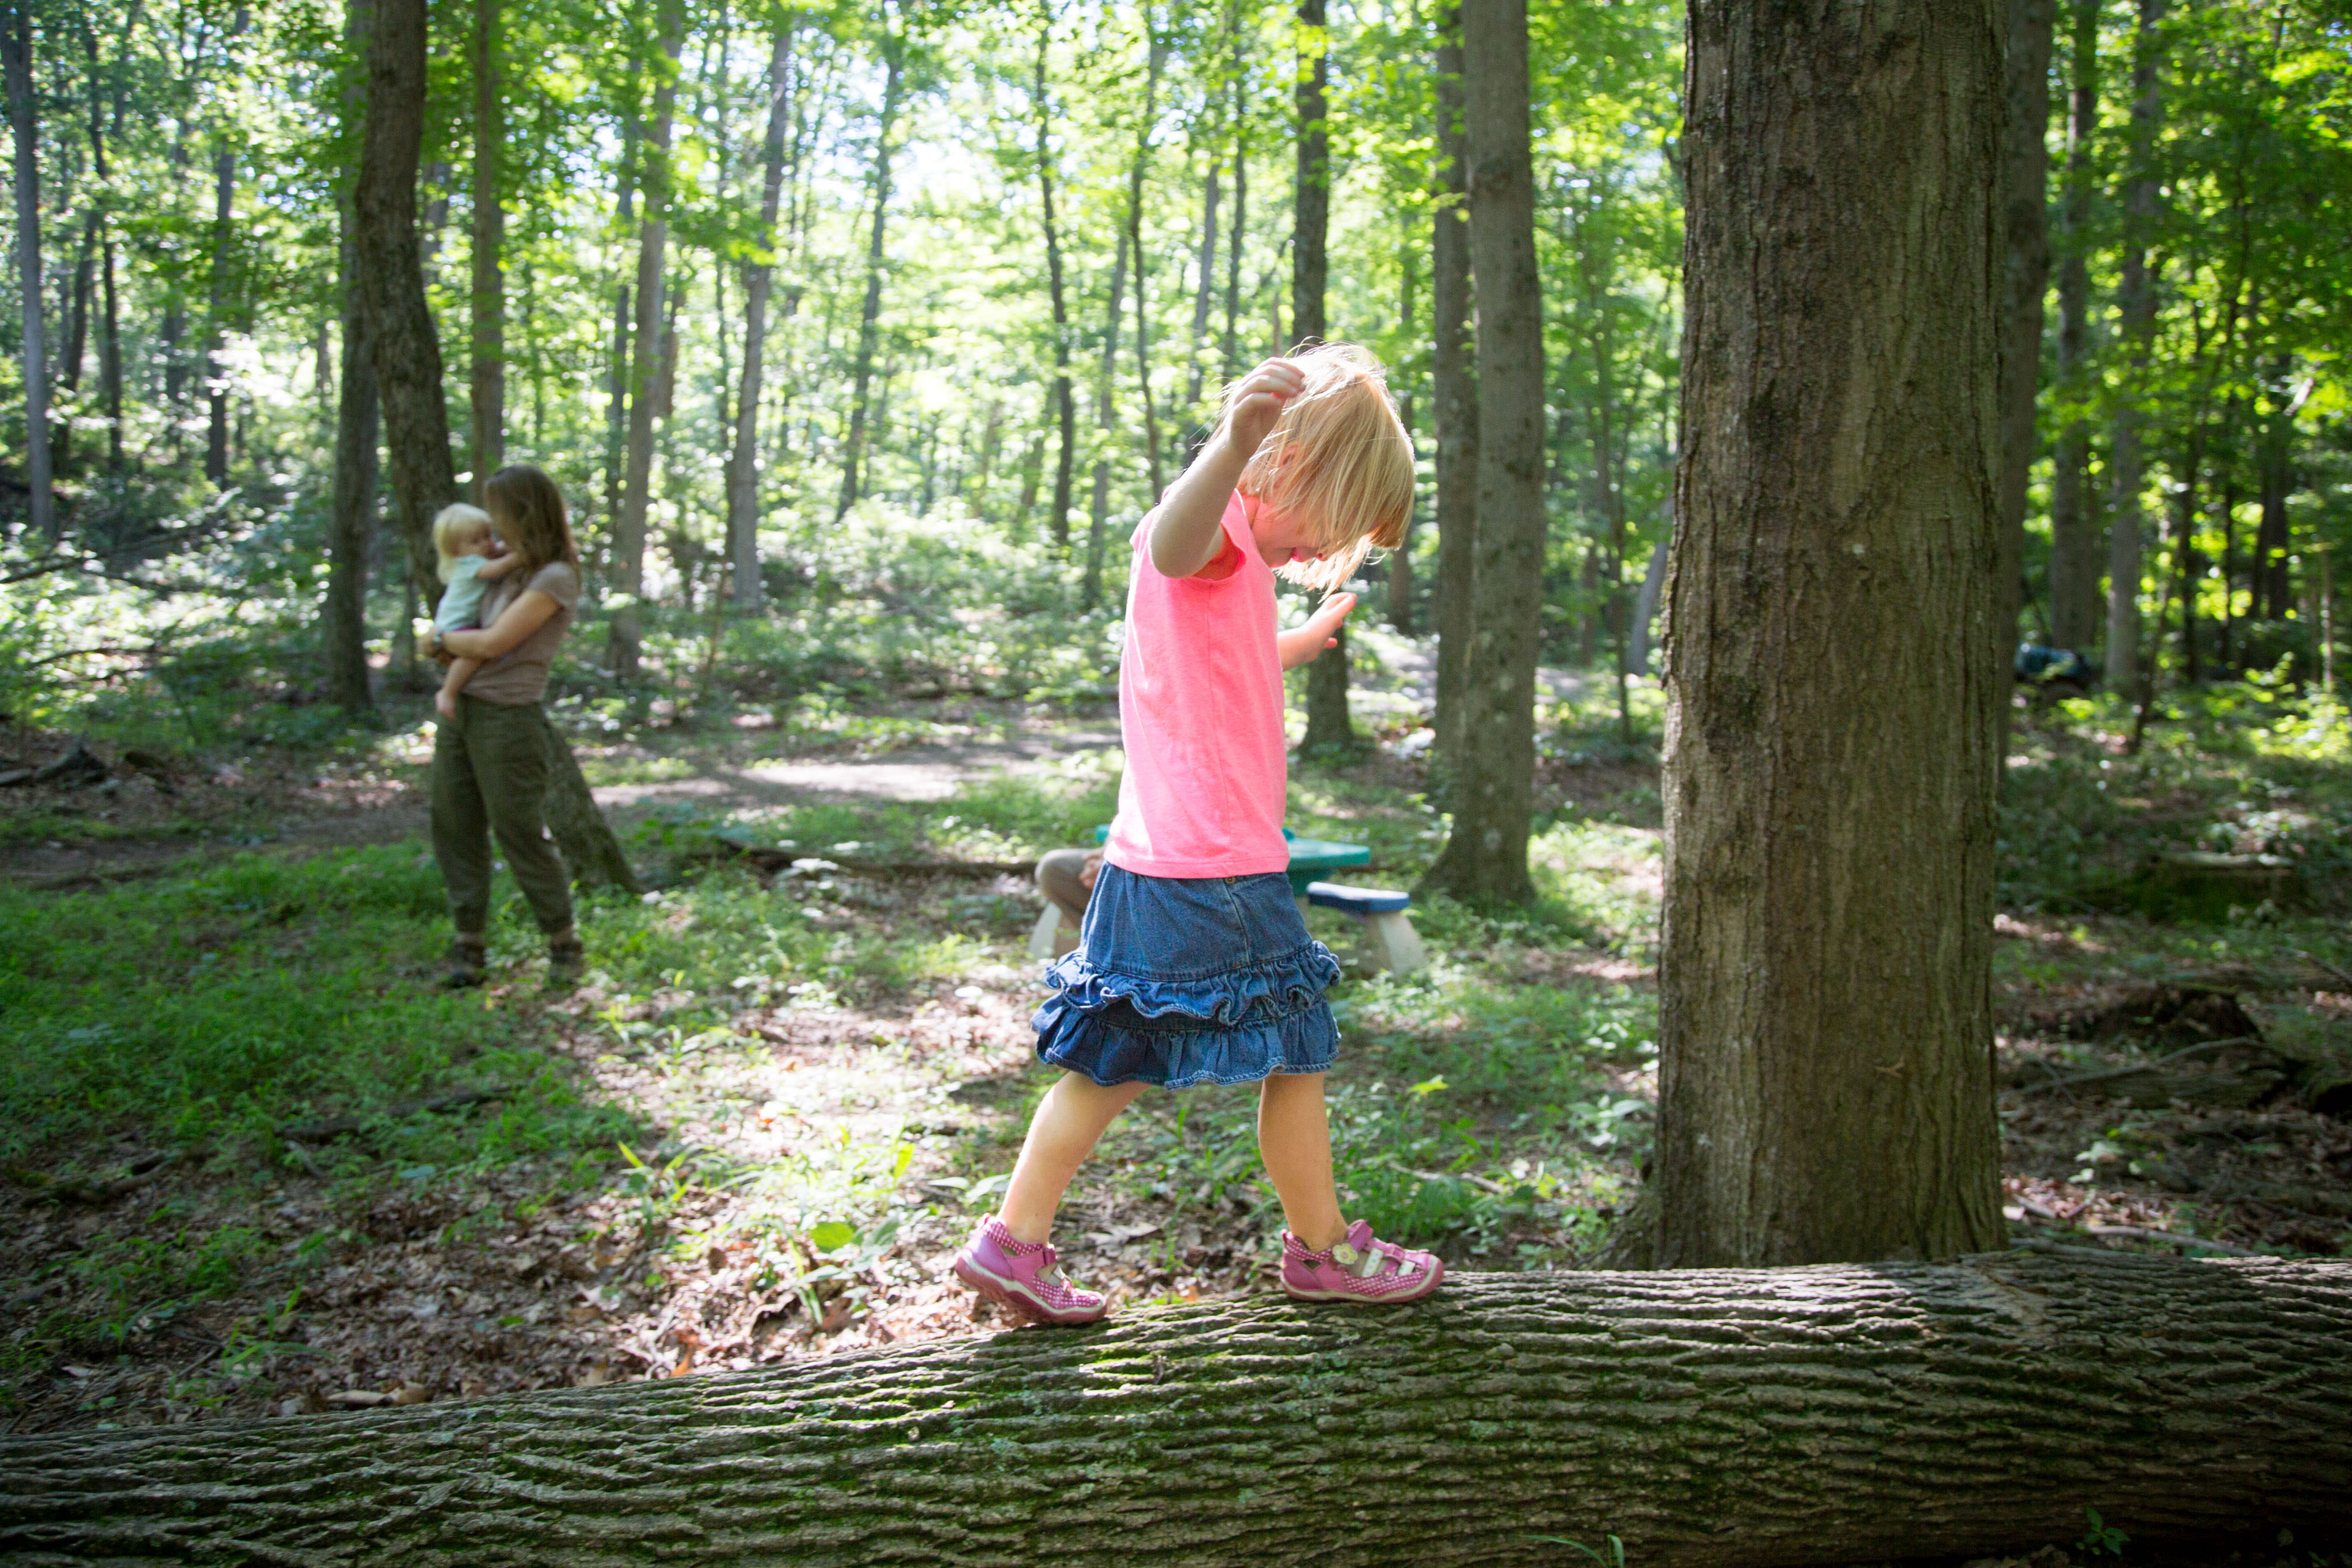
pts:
[1486, 855]
[869, 320]
[1833, 721]
[1064, 396]
[1737, 1419]
[350, 522]
[648, 346]
[1453, 393]
[1328, 727]
[488, 404]
[2026, 190]
[2073, 529]
[591, 851]
[406, 350]
[759, 278]
[216, 372]
[2135, 296]
[24, 125]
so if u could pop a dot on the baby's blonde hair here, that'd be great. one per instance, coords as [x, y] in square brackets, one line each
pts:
[1337, 459]
[454, 526]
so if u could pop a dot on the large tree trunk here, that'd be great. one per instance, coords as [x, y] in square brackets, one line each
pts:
[1064, 397]
[1832, 727]
[351, 521]
[1486, 855]
[1328, 727]
[2026, 210]
[2136, 297]
[590, 851]
[2073, 531]
[1746, 1419]
[1454, 392]
[17, 73]
[488, 407]
[407, 351]
[759, 278]
[869, 320]
[648, 347]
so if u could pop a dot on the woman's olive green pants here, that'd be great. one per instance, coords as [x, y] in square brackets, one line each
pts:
[489, 776]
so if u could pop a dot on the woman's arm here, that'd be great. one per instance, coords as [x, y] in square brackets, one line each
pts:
[526, 615]
[1186, 534]
[1301, 644]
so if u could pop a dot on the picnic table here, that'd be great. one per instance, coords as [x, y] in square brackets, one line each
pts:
[1389, 935]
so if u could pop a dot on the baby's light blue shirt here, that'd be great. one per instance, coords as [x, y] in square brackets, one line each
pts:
[461, 601]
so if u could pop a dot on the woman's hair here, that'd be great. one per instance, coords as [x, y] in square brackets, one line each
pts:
[531, 516]
[1338, 460]
[453, 528]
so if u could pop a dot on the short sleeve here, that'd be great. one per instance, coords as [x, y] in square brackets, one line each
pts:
[557, 582]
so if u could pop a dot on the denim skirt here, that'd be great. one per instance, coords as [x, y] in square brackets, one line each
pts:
[1184, 980]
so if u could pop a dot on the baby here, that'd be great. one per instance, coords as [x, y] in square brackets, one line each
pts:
[472, 559]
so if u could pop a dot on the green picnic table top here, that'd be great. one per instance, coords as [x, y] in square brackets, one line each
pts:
[1309, 858]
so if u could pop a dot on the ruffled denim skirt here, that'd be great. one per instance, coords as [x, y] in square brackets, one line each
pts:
[1184, 980]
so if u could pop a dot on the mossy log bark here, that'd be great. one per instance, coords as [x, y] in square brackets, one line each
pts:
[1727, 1417]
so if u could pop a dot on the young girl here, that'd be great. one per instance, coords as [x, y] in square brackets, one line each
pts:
[463, 540]
[1195, 966]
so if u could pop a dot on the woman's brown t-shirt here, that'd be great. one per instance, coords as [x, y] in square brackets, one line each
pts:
[519, 677]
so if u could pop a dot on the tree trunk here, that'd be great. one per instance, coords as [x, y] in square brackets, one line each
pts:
[1064, 397]
[490, 292]
[590, 851]
[2073, 531]
[648, 347]
[2137, 298]
[1158, 49]
[109, 346]
[351, 521]
[2026, 186]
[216, 372]
[16, 67]
[2272, 592]
[1454, 398]
[616, 402]
[1106, 417]
[407, 350]
[1736, 1419]
[1400, 574]
[869, 321]
[1834, 719]
[1486, 855]
[2188, 564]
[1328, 726]
[759, 278]
[1204, 289]
[1240, 229]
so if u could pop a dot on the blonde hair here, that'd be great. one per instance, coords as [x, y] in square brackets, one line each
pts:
[1338, 460]
[454, 526]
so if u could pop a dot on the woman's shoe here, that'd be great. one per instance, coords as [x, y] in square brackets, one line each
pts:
[1358, 1268]
[467, 957]
[567, 960]
[1021, 1277]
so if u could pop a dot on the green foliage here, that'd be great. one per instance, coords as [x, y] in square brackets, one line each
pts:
[2102, 1539]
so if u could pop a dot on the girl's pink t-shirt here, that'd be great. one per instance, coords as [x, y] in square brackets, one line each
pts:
[1200, 706]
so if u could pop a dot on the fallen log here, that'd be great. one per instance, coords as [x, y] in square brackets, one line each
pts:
[1726, 1417]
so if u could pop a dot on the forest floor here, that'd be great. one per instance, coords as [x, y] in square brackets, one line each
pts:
[259, 1163]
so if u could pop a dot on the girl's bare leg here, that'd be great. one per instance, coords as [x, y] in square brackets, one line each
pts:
[1294, 1138]
[1070, 1121]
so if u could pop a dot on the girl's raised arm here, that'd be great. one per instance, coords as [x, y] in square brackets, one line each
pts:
[1185, 535]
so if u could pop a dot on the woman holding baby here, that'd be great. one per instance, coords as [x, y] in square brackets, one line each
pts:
[490, 751]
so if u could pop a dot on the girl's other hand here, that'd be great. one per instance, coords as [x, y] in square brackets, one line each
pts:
[1324, 621]
[1259, 402]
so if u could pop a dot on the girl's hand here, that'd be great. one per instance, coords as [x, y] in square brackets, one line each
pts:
[1301, 644]
[1259, 402]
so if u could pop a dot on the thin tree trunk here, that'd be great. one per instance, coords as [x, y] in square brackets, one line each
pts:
[2273, 590]
[1158, 58]
[1328, 726]
[1106, 417]
[2073, 529]
[215, 371]
[1063, 399]
[759, 276]
[17, 44]
[2025, 185]
[1232, 362]
[2126, 671]
[2187, 565]
[109, 347]
[405, 349]
[351, 521]
[488, 443]
[1834, 719]
[1901, 1410]
[648, 355]
[1400, 614]
[1205, 288]
[869, 321]
[1453, 394]
[1484, 859]
[616, 403]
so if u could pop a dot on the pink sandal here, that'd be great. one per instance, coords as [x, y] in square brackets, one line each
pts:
[1358, 1268]
[1021, 1277]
